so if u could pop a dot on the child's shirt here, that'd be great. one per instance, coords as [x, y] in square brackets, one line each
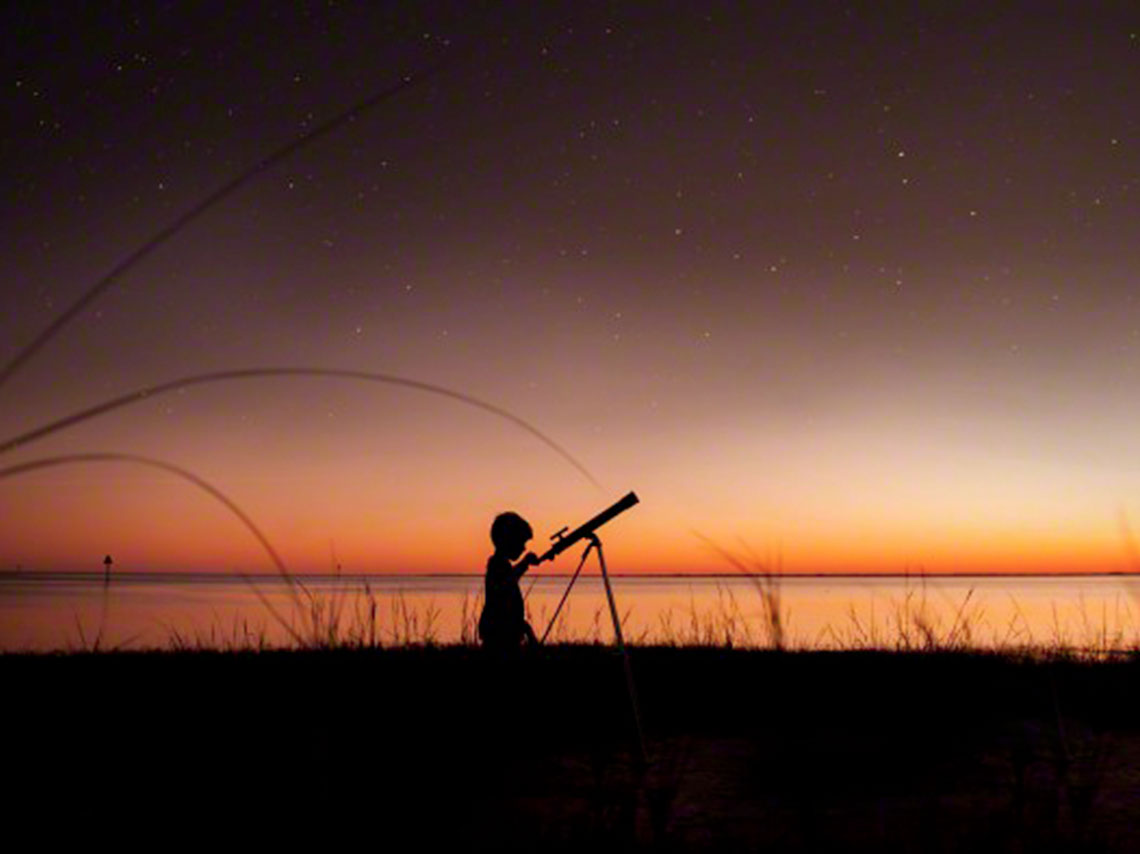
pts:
[503, 616]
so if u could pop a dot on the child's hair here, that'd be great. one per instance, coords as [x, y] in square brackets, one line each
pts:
[509, 527]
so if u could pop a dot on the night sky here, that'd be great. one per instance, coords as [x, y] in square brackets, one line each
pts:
[849, 286]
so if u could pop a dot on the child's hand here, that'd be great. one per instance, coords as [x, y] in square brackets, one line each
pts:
[529, 559]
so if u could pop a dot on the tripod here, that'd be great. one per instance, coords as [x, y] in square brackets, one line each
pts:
[596, 546]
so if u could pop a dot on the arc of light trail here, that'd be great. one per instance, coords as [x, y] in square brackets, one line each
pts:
[206, 486]
[234, 184]
[253, 373]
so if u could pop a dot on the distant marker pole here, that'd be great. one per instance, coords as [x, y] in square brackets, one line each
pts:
[107, 570]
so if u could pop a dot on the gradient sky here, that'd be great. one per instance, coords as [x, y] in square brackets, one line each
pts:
[851, 285]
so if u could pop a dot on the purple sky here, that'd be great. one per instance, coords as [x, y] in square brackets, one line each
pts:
[853, 284]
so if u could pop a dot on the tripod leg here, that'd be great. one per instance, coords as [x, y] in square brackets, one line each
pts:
[562, 601]
[644, 756]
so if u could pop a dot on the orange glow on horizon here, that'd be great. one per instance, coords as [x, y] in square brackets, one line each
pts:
[149, 523]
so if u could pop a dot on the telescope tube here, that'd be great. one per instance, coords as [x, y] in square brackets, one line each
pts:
[563, 543]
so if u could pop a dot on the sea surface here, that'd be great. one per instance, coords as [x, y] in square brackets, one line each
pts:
[76, 611]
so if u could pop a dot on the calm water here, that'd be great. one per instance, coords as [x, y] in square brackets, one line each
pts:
[76, 611]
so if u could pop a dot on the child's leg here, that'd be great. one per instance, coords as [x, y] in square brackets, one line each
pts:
[528, 633]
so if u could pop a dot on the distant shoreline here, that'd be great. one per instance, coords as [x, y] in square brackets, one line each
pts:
[222, 575]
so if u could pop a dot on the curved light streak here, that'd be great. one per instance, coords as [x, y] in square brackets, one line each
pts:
[204, 485]
[142, 394]
[220, 194]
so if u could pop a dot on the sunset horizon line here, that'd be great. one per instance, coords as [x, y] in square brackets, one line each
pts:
[760, 574]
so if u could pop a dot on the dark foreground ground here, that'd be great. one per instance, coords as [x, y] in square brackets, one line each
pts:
[443, 749]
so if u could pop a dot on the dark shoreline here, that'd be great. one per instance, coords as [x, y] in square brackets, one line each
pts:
[223, 575]
[748, 749]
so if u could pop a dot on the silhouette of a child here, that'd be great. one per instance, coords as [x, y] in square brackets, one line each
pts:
[503, 625]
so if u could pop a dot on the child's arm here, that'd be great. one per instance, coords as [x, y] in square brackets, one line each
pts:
[529, 559]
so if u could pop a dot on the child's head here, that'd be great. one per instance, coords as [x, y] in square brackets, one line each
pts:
[510, 533]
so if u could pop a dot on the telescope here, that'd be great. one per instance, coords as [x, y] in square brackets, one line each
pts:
[563, 541]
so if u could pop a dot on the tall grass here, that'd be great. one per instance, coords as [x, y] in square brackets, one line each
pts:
[345, 618]
[765, 579]
[239, 636]
[758, 616]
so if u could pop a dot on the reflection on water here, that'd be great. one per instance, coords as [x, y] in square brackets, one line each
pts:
[77, 611]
